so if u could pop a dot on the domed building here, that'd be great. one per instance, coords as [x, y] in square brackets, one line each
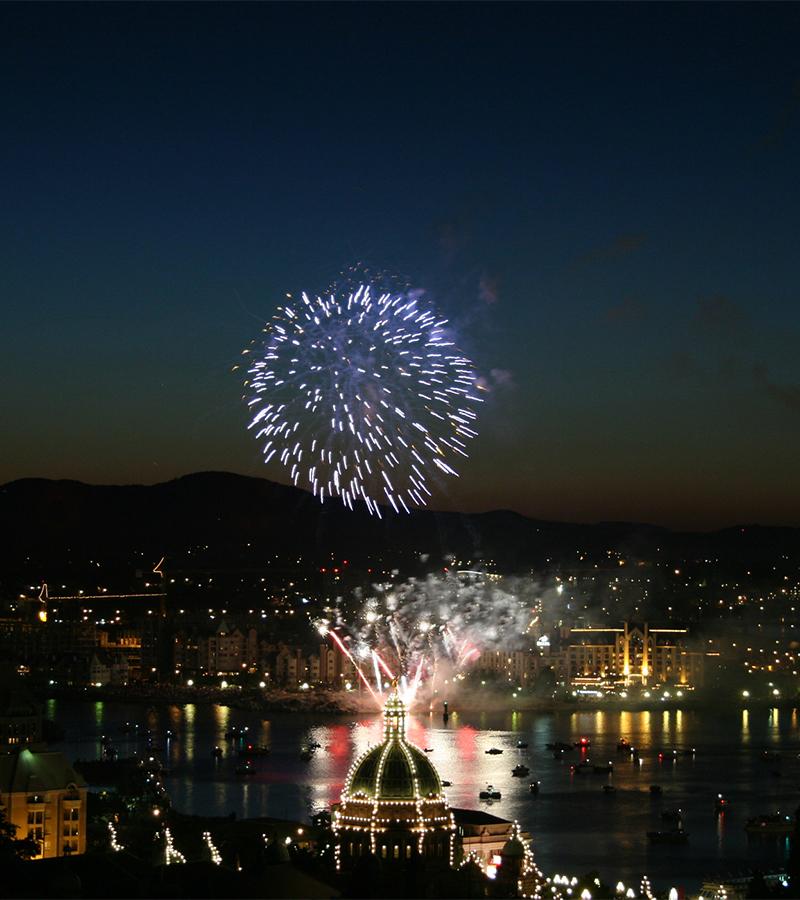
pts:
[393, 805]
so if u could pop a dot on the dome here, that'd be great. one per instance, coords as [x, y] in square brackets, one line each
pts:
[393, 794]
[394, 771]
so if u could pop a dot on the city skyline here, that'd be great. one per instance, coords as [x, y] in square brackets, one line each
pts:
[600, 199]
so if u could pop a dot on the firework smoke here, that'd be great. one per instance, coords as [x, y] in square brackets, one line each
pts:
[434, 628]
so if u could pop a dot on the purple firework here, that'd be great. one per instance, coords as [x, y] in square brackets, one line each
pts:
[362, 396]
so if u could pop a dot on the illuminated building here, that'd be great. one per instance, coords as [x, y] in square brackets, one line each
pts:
[44, 797]
[627, 655]
[393, 805]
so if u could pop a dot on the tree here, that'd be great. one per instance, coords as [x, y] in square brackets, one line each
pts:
[11, 848]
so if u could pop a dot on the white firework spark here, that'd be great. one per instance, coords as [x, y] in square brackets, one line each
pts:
[363, 396]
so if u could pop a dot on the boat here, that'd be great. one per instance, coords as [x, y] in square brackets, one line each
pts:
[245, 769]
[493, 751]
[306, 753]
[559, 747]
[253, 750]
[520, 771]
[429, 749]
[609, 789]
[489, 794]
[602, 770]
[217, 753]
[313, 745]
[447, 784]
[583, 743]
[655, 789]
[771, 756]
[522, 745]
[766, 824]
[721, 804]
[534, 787]
[672, 815]
[673, 836]
[623, 745]
[582, 768]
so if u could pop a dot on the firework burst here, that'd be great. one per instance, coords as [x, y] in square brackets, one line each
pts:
[432, 628]
[362, 395]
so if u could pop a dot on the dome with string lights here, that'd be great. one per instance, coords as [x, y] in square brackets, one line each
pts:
[393, 805]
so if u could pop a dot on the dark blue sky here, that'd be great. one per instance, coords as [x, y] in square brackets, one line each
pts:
[604, 199]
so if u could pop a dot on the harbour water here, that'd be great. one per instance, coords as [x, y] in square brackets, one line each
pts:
[576, 826]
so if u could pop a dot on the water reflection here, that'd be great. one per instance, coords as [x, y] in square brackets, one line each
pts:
[575, 825]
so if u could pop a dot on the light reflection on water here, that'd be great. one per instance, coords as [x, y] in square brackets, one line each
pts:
[576, 827]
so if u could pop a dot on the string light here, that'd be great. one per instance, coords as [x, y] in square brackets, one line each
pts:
[112, 837]
[171, 855]
[215, 854]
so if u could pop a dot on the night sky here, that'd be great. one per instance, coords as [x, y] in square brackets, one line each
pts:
[604, 199]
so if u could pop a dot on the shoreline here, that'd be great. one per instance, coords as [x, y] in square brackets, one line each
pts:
[343, 703]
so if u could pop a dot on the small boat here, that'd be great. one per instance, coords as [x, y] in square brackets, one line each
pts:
[609, 789]
[245, 769]
[306, 753]
[623, 745]
[672, 815]
[522, 745]
[583, 743]
[313, 745]
[520, 771]
[582, 768]
[771, 756]
[602, 770]
[655, 789]
[493, 751]
[253, 750]
[489, 794]
[673, 836]
[765, 824]
[217, 753]
[447, 784]
[667, 755]
[721, 804]
[534, 787]
[559, 747]
[429, 749]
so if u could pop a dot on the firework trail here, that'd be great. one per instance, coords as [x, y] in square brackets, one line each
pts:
[426, 628]
[362, 395]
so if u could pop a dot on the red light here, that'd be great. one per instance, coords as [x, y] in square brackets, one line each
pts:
[322, 569]
[344, 562]
[335, 571]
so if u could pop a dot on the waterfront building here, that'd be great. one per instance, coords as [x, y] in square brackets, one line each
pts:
[630, 654]
[393, 806]
[108, 668]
